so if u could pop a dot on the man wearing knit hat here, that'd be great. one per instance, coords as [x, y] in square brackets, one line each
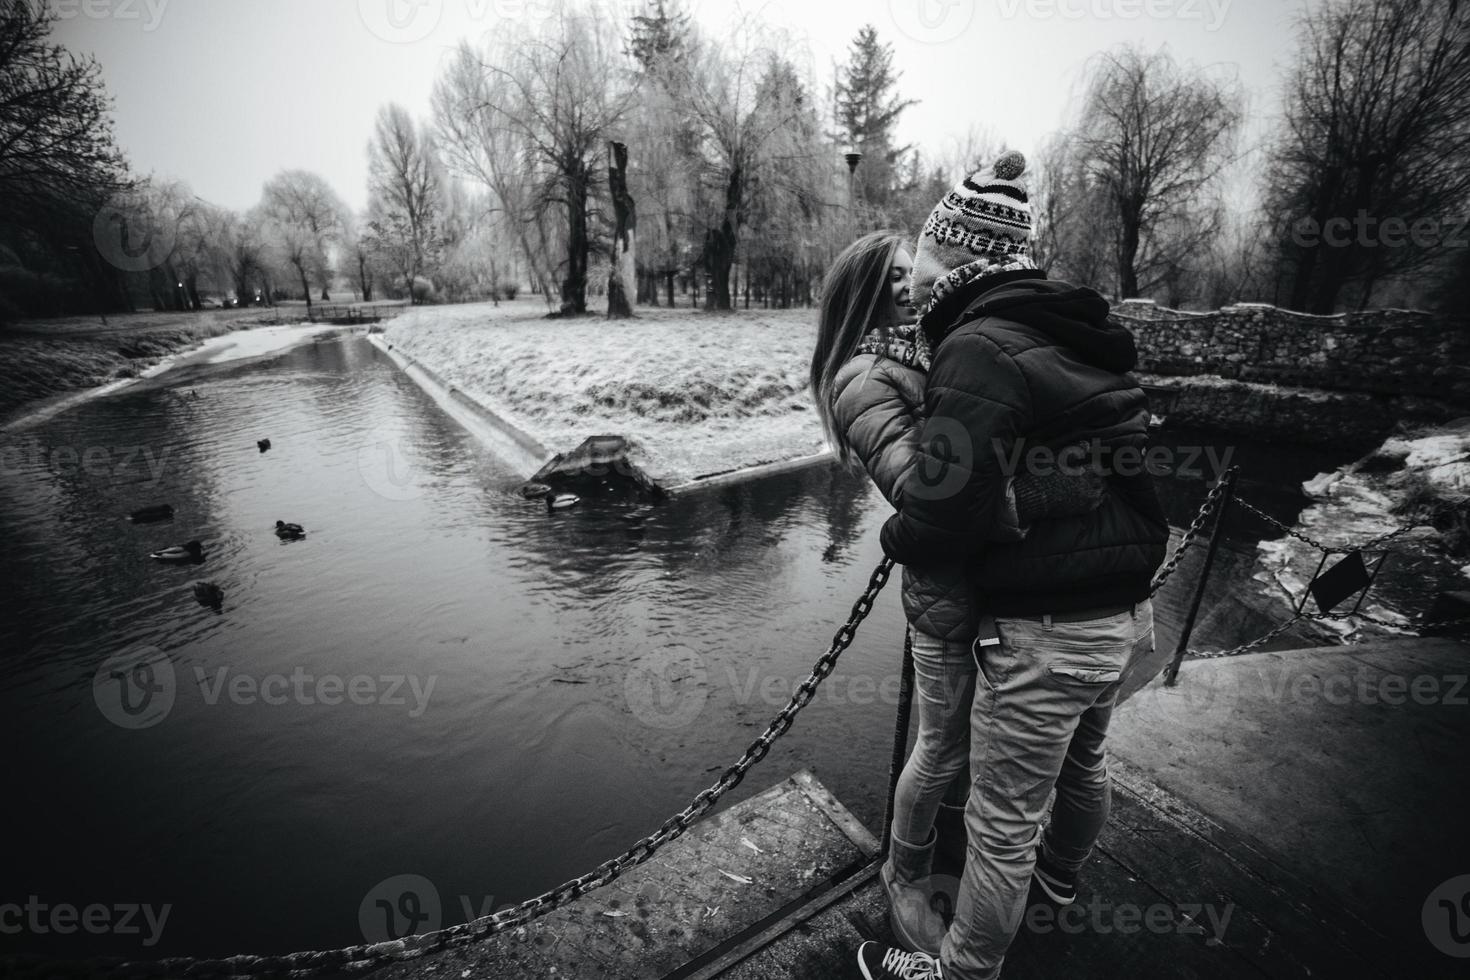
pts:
[1021, 364]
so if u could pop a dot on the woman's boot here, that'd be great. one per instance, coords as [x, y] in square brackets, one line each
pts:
[909, 885]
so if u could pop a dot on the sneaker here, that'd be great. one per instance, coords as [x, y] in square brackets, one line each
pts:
[1057, 886]
[879, 962]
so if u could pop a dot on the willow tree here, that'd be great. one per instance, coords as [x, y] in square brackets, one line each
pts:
[1153, 138]
[1377, 125]
[740, 132]
[557, 93]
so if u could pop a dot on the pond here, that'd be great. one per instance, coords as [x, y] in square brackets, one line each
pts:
[441, 679]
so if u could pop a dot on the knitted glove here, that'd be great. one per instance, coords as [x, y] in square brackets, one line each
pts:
[1057, 495]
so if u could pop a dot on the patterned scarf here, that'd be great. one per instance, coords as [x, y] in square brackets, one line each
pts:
[906, 344]
[985, 266]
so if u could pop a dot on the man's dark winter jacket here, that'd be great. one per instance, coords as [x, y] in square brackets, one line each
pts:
[1022, 362]
[876, 402]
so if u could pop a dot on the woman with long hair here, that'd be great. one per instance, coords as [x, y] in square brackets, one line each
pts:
[867, 376]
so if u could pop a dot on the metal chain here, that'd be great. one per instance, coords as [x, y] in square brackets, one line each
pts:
[1188, 538]
[1312, 542]
[1235, 651]
[364, 957]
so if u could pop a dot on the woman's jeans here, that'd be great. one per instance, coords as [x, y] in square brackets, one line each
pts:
[944, 683]
[1040, 716]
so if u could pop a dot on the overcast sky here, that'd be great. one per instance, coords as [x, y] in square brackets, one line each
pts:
[224, 93]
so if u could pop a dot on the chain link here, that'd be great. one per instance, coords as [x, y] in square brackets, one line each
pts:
[1212, 499]
[1312, 542]
[360, 958]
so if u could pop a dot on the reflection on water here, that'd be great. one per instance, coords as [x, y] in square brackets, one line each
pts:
[442, 679]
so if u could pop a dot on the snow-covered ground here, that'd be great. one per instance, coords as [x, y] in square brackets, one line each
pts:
[693, 392]
[1356, 503]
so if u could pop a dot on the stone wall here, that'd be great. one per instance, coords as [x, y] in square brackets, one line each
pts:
[1381, 352]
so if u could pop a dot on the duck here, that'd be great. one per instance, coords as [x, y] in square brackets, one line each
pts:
[289, 532]
[561, 501]
[147, 515]
[533, 490]
[262, 444]
[190, 551]
[209, 594]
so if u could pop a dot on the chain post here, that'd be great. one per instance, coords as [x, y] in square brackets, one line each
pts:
[1227, 491]
[900, 736]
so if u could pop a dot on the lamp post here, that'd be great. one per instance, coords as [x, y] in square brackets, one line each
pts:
[852, 155]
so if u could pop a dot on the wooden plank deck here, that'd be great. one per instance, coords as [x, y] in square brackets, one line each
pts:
[670, 914]
[1156, 854]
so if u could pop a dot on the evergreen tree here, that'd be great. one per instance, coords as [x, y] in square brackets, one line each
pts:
[659, 36]
[866, 107]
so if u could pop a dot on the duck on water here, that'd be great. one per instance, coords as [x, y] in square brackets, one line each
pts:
[190, 552]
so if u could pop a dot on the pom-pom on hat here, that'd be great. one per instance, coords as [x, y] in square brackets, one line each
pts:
[982, 226]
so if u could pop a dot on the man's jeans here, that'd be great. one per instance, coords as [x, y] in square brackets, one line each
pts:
[1043, 700]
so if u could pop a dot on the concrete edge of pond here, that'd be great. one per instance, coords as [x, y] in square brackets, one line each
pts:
[532, 457]
[522, 450]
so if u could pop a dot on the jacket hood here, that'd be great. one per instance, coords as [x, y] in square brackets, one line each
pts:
[1074, 317]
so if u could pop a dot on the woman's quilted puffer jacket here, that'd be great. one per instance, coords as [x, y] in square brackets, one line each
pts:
[877, 403]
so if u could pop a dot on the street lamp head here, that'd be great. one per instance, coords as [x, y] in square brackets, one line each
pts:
[852, 156]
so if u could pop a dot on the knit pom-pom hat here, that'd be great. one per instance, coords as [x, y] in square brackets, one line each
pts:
[982, 226]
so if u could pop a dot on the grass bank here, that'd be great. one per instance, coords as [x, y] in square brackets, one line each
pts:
[694, 393]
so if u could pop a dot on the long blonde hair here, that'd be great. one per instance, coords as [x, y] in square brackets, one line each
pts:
[855, 300]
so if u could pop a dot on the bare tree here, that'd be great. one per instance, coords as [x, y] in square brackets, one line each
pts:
[622, 275]
[739, 131]
[1377, 131]
[562, 89]
[1154, 137]
[403, 195]
[478, 142]
[306, 219]
[56, 143]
